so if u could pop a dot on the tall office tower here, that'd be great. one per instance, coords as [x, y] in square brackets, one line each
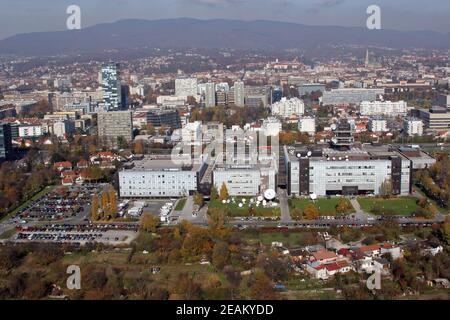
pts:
[239, 94]
[115, 124]
[210, 95]
[277, 94]
[186, 87]
[112, 94]
[5, 141]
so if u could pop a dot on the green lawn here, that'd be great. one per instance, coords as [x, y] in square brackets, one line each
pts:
[180, 204]
[327, 207]
[290, 239]
[234, 210]
[7, 234]
[401, 206]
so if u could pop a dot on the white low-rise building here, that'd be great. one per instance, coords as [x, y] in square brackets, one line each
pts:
[307, 125]
[159, 177]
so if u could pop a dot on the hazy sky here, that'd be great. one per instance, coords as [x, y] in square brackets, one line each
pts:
[18, 16]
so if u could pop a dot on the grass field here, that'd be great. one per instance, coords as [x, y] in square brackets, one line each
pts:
[289, 239]
[401, 206]
[180, 204]
[327, 207]
[234, 210]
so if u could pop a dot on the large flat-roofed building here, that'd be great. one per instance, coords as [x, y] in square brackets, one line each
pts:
[350, 96]
[160, 177]
[419, 159]
[308, 88]
[114, 124]
[443, 100]
[186, 87]
[383, 108]
[323, 171]
[245, 180]
[164, 118]
[436, 118]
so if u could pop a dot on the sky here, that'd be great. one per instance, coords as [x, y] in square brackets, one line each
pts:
[23, 16]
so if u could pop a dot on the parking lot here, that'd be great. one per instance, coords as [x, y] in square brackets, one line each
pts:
[61, 204]
[106, 233]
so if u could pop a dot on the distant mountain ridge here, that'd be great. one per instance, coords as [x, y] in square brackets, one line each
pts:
[212, 34]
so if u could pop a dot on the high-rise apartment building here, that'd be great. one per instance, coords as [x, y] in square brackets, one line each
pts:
[239, 94]
[186, 87]
[5, 141]
[210, 95]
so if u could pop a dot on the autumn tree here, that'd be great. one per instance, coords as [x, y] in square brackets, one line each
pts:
[311, 212]
[217, 223]
[223, 192]
[104, 205]
[149, 223]
[94, 208]
[261, 287]
[214, 193]
[198, 199]
[343, 206]
[112, 202]
[139, 147]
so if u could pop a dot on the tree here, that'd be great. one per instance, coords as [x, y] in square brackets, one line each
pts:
[214, 193]
[198, 199]
[122, 143]
[343, 206]
[386, 188]
[94, 208]
[104, 205]
[149, 223]
[139, 147]
[220, 255]
[150, 129]
[216, 223]
[311, 212]
[223, 192]
[261, 287]
[112, 202]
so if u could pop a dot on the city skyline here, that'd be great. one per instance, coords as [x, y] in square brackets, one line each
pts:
[48, 16]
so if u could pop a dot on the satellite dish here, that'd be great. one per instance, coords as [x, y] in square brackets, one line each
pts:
[270, 194]
[240, 205]
[260, 198]
[333, 127]
[309, 154]
[299, 155]
[313, 196]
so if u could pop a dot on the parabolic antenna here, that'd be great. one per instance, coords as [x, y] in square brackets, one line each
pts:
[270, 194]
[333, 127]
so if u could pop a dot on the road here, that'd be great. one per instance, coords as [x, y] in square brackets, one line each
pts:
[284, 206]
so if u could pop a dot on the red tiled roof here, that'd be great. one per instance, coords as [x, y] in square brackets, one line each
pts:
[324, 254]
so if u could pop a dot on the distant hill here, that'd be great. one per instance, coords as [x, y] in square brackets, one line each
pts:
[212, 34]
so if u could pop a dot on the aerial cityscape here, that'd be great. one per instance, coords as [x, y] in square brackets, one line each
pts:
[217, 157]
